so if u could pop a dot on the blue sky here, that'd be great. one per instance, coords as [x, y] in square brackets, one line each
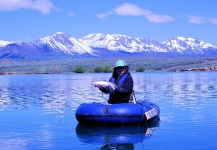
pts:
[160, 20]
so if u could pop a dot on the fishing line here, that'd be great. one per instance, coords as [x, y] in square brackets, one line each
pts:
[140, 119]
[104, 97]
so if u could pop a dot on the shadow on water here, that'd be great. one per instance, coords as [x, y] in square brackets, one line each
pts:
[116, 137]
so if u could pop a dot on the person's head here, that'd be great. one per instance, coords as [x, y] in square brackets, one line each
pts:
[120, 68]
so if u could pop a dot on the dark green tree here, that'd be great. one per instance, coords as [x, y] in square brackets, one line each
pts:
[107, 68]
[98, 69]
[79, 69]
[140, 69]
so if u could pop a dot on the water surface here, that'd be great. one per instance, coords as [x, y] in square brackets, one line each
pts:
[38, 112]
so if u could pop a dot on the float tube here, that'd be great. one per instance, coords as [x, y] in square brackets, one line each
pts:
[124, 113]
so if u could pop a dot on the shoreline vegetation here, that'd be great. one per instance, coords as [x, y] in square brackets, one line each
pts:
[97, 65]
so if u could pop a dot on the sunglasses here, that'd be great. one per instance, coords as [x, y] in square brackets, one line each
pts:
[120, 67]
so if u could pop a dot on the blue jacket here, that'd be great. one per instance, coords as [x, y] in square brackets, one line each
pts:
[122, 93]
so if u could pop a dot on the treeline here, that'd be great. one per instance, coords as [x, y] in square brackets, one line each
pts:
[105, 65]
[105, 69]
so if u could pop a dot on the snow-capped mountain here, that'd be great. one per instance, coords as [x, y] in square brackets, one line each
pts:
[118, 42]
[182, 44]
[4, 43]
[113, 42]
[62, 46]
[63, 43]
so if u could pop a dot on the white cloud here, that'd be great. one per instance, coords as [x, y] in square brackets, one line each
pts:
[213, 20]
[158, 18]
[70, 14]
[44, 6]
[200, 20]
[133, 10]
[104, 15]
[196, 19]
[101, 16]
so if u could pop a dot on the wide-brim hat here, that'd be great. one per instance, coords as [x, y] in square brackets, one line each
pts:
[121, 63]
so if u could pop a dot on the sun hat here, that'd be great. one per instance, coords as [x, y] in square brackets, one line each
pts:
[120, 63]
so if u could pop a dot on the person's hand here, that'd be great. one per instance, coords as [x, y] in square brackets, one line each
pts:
[104, 90]
[110, 90]
[101, 88]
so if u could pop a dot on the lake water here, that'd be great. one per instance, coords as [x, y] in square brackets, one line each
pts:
[38, 112]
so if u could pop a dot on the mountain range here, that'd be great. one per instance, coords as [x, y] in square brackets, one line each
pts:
[102, 45]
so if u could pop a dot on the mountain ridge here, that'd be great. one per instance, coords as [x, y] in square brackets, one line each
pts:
[63, 46]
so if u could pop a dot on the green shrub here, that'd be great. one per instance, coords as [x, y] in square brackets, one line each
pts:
[140, 69]
[90, 71]
[98, 69]
[107, 68]
[79, 69]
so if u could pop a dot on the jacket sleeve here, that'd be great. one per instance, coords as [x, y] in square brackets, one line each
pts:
[126, 87]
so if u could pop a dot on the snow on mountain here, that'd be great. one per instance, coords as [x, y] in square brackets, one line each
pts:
[63, 43]
[125, 43]
[182, 44]
[153, 46]
[117, 42]
[4, 43]
[114, 42]
[61, 46]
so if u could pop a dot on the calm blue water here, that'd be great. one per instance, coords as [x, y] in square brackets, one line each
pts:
[38, 112]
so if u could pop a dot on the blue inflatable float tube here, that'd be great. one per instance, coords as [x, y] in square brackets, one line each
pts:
[124, 113]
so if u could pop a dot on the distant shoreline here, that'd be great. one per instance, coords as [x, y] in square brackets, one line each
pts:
[182, 70]
[68, 66]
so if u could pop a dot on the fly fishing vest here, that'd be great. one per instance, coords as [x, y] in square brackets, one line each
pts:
[121, 80]
[131, 96]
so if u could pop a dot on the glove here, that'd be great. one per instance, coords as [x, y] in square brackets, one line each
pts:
[110, 90]
[116, 90]
[106, 89]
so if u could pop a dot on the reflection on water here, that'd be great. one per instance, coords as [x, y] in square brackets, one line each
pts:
[180, 88]
[37, 112]
[68, 91]
[49, 91]
[115, 137]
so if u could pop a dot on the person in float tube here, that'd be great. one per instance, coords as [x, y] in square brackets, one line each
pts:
[123, 93]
